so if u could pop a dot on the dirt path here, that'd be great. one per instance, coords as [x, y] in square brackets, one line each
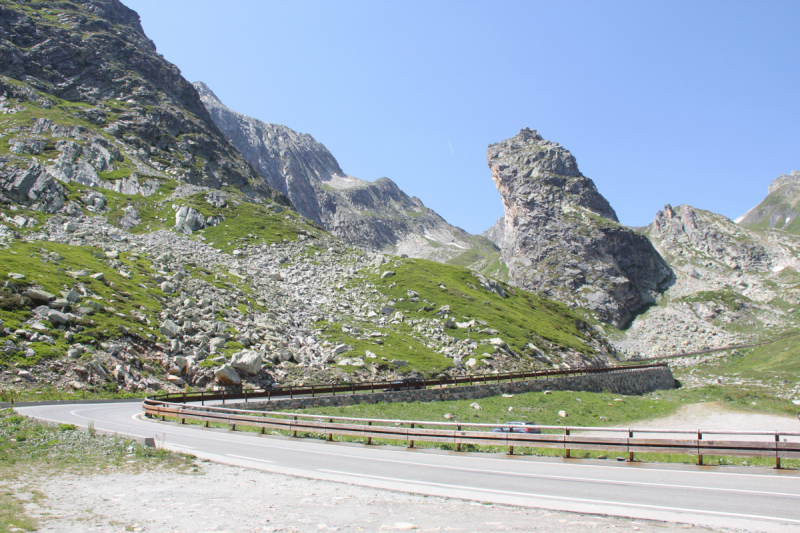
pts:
[716, 416]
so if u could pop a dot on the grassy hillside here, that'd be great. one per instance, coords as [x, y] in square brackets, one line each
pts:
[424, 293]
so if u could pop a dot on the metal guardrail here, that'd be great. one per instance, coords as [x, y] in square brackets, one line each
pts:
[378, 386]
[623, 440]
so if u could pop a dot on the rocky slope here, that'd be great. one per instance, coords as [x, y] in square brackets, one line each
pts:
[140, 251]
[781, 207]
[733, 285]
[372, 215]
[561, 236]
[87, 304]
[86, 98]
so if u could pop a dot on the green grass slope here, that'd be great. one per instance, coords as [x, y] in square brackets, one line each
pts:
[518, 319]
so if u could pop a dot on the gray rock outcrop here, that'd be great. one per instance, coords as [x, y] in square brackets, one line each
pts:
[563, 239]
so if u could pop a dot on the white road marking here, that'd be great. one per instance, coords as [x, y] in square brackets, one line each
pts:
[560, 498]
[248, 458]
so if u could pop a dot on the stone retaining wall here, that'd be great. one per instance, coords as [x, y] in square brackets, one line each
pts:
[627, 382]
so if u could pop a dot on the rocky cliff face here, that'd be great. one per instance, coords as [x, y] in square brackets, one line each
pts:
[733, 285]
[373, 215]
[88, 99]
[561, 236]
[780, 209]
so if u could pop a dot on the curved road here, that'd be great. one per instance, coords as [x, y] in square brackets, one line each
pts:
[756, 499]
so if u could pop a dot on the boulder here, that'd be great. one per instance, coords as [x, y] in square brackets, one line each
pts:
[342, 348]
[227, 375]
[388, 274]
[168, 287]
[73, 296]
[217, 343]
[58, 318]
[26, 375]
[248, 361]
[180, 362]
[189, 219]
[176, 380]
[59, 303]
[38, 295]
[170, 329]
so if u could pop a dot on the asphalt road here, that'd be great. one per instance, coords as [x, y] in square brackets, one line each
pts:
[756, 499]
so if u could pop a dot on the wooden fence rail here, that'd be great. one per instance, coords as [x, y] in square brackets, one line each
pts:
[621, 440]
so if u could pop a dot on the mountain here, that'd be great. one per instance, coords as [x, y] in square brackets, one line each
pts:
[496, 233]
[372, 215]
[561, 237]
[96, 104]
[781, 207]
[141, 251]
[733, 285]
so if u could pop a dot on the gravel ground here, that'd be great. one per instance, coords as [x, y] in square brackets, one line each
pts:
[715, 416]
[220, 498]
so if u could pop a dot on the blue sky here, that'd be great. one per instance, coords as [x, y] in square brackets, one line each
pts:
[660, 102]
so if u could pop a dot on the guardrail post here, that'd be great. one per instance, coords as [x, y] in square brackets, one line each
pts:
[699, 453]
[567, 451]
[206, 423]
[411, 442]
[630, 453]
[458, 446]
[510, 450]
[233, 427]
[369, 439]
[777, 457]
[312, 391]
[290, 392]
[183, 420]
[202, 397]
[330, 435]
[245, 395]
[295, 429]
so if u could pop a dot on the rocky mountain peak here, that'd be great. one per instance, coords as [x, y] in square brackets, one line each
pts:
[780, 209]
[546, 173]
[373, 215]
[562, 238]
[793, 178]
